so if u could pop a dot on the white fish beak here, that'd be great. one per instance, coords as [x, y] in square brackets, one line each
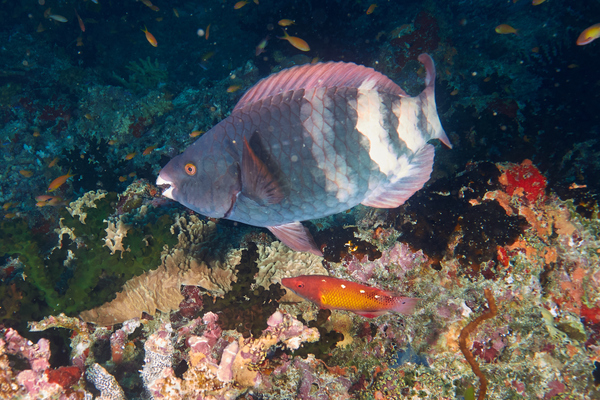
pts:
[168, 192]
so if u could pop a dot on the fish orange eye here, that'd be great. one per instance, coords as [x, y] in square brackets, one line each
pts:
[190, 169]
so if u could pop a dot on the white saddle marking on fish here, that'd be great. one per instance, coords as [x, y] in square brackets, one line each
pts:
[370, 124]
[407, 111]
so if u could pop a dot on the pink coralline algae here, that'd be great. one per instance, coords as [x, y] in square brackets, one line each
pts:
[39, 381]
[397, 260]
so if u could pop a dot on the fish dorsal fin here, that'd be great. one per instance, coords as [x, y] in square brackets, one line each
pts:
[258, 183]
[309, 76]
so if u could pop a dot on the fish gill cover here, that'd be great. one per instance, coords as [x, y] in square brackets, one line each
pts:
[96, 97]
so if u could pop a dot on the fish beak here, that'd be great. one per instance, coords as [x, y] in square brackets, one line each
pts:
[168, 190]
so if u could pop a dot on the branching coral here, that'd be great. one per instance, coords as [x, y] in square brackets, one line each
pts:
[464, 337]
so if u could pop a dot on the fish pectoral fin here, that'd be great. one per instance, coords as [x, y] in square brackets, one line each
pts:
[258, 183]
[416, 174]
[296, 236]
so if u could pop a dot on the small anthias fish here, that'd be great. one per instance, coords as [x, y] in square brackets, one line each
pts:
[308, 142]
[505, 29]
[589, 35]
[150, 37]
[339, 294]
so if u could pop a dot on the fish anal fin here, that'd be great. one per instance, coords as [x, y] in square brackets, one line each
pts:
[296, 236]
[370, 314]
[258, 183]
[417, 174]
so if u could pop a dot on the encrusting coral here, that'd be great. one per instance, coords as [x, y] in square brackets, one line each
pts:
[160, 289]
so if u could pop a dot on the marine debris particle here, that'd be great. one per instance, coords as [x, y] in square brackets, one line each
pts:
[464, 336]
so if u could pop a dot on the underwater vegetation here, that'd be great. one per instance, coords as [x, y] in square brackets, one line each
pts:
[109, 290]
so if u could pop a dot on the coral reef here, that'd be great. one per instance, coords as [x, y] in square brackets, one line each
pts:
[145, 74]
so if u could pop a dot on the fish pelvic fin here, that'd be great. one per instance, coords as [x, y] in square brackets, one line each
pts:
[258, 183]
[427, 98]
[296, 236]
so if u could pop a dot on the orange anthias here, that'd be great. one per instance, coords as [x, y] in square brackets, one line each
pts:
[150, 37]
[589, 35]
[339, 294]
[58, 182]
[295, 41]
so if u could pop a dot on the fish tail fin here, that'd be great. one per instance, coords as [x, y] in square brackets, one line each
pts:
[427, 98]
[405, 305]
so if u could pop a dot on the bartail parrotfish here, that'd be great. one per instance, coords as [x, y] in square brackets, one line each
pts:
[308, 142]
[339, 294]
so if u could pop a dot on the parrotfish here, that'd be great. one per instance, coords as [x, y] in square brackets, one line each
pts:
[339, 294]
[308, 142]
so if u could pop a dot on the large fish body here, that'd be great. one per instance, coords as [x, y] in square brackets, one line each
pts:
[309, 142]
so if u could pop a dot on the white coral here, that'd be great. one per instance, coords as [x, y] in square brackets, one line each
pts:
[114, 237]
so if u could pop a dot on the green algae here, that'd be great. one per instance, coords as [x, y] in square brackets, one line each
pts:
[80, 273]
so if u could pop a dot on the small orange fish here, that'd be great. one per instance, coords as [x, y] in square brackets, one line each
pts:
[261, 46]
[10, 215]
[150, 37]
[58, 182]
[130, 155]
[8, 205]
[240, 4]
[176, 12]
[36, 133]
[26, 173]
[233, 88]
[196, 133]
[286, 22]
[79, 42]
[505, 29]
[148, 150]
[122, 178]
[296, 42]
[338, 294]
[81, 24]
[589, 35]
[132, 174]
[44, 197]
[112, 142]
[371, 9]
[537, 2]
[207, 32]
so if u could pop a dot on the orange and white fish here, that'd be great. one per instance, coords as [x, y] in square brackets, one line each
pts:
[150, 37]
[296, 42]
[589, 35]
[58, 182]
[339, 294]
[505, 29]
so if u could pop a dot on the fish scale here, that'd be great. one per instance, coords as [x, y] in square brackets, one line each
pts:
[309, 142]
